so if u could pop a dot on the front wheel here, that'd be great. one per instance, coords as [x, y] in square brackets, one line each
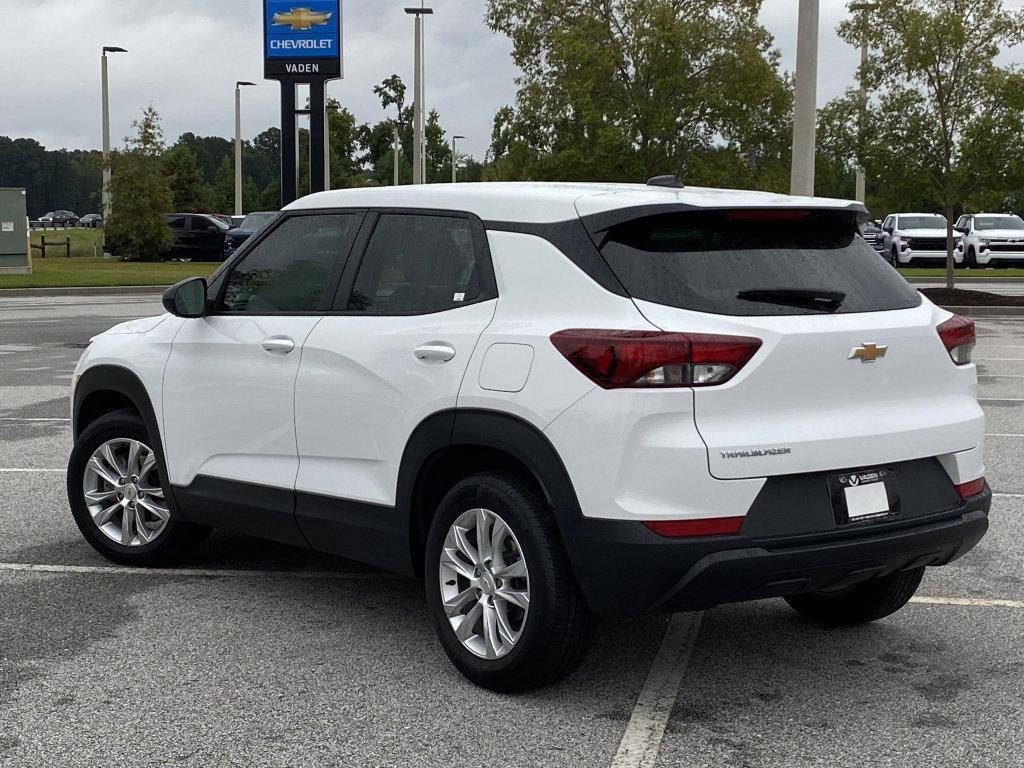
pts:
[862, 603]
[501, 594]
[120, 500]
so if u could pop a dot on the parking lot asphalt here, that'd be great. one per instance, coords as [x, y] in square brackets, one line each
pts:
[256, 654]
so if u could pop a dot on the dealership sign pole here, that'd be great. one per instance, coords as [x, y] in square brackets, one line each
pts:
[302, 45]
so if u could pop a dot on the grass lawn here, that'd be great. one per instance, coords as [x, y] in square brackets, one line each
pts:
[84, 242]
[970, 274]
[64, 273]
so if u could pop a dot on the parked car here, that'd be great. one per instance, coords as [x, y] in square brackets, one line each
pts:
[916, 237]
[991, 239]
[872, 233]
[92, 221]
[60, 218]
[197, 236]
[250, 225]
[550, 402]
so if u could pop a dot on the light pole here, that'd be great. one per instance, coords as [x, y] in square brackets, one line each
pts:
[805, 96]
[397, 152]
[455, 167]
[105, 194]
[238, 144]
[865, 8]
[419, 163]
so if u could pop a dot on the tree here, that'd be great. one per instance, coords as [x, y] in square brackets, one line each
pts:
[222, 192]
[952, 109]
[627, 89]
[141, 194]
[189, 191]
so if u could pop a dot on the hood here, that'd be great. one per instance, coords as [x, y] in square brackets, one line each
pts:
[929, 233]
[1001, 234]
[144, 325]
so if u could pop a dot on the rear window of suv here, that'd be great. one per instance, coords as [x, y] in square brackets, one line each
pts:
[751, 263]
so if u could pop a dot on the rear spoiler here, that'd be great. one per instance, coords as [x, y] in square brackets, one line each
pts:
[599, 223]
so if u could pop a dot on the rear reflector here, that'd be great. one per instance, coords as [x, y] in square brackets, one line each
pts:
[711, 526]
[617, 359]
[973, 488]
[958, 338]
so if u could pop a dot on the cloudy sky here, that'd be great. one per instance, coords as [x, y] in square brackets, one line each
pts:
[185, 56]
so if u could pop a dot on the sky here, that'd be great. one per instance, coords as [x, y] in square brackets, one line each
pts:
[184, 56]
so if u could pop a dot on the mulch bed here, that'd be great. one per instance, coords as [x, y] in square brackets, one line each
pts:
[959, 297]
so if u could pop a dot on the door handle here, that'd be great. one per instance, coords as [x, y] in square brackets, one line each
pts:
[434, 353]
[279, 345]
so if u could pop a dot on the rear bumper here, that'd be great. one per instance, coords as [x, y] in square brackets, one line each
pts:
[625, 569]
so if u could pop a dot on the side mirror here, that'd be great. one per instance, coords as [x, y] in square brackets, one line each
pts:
[962, 230]
[187, 298]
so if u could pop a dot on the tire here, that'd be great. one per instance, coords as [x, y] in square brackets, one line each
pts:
[151, 542]
[860, 604]
[553, 635]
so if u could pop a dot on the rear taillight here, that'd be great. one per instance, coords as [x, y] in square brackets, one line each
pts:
[972, 488]
[958, 337]
[617, 359]
[710, 526]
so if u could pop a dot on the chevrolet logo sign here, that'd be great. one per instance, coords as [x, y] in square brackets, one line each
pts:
[301, 19]
[868, 352]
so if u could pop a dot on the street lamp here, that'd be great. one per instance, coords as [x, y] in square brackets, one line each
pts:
[105, 194]
[419, 162]
[454, 156]
[238, 144]
[866, 8]
[805, 97]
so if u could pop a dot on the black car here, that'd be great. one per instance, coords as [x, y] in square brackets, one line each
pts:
[91, 221]
[197, 236]
[252, 224]
[872, 233]
[61, 218]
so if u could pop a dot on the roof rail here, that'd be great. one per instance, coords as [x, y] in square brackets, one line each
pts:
[671, 180]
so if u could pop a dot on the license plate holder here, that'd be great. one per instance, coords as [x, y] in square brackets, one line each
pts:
[864, 496]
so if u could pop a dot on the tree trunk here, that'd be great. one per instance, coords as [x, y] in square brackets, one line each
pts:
[949, 248]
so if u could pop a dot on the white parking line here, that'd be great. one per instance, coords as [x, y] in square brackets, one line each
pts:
[12, 418]
[1001, 434]
[114, 570]
[15, 471]
[1008, 495]
[968, 601]
[646, 729]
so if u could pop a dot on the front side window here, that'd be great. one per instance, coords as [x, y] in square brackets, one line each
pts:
[416, 264]
[290, 270]
[177, 222]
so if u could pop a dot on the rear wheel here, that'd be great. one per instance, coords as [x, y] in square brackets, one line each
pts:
[501, 594]
[862, 603]
[120, 500]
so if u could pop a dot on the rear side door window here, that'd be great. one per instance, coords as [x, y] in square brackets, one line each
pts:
[293, 268]
[416, 264]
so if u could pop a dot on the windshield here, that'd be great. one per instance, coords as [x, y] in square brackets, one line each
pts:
[922, 222]
[998, 222]
[256, 221]
[728, 263]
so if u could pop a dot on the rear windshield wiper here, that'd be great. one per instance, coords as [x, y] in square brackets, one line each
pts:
[795, 297]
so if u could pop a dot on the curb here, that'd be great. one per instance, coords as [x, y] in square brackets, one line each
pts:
[962, 280]
[1008, 312]
[110, 290]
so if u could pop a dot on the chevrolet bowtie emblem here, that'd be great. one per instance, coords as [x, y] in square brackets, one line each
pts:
[868, 352]
[301, 19]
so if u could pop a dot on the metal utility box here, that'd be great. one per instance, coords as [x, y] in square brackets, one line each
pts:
[15, 254]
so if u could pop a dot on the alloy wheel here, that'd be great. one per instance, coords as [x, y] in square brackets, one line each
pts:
[485, 584]
[123, 493]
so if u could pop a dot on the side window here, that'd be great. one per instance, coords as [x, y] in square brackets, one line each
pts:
[176, 222]
[291, 268]
[199, 224]
[417, 264]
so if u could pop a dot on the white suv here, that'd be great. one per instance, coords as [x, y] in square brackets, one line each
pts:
[991, 239]
[550, 402]
[910, 238]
